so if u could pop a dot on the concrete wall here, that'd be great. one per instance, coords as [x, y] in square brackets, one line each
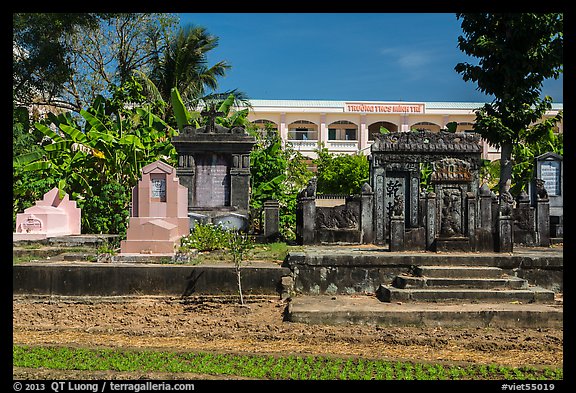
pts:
[97, 279]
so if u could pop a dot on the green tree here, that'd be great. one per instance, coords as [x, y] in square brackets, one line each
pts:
[516, 52]
[340, 174]
[277, 172]
[183, 66]
[41, 64]
[67, 60]
[107, 145]
[239, 244]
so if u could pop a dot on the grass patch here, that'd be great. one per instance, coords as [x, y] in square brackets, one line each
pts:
[263, 366]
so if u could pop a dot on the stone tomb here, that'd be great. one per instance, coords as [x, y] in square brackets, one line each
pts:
[449, 222]
[159, 212]
[52, 216]
[214, 164]
[550, 169]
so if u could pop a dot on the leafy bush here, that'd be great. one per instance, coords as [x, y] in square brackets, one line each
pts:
[205, 237]
[277, 172]
[107, 211]
[341, 174]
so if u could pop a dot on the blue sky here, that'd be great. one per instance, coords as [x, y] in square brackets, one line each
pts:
[344, 56]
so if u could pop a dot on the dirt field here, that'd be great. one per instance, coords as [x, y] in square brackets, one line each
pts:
[222, 325]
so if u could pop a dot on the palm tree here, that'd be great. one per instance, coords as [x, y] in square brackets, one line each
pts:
[183, 65]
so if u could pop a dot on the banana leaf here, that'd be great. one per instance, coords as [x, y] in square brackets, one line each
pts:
[94, 122]
[48, 132]
[180, 112]
[75, 134]
[24, 159]
[59, 146]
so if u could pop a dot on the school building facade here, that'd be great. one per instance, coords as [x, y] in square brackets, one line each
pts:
[348, 127]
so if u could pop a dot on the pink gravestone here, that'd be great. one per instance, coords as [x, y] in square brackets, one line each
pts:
[159, 212]
[50, 217]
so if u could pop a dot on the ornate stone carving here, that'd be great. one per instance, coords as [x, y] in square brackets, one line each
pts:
[366, 188]
[541, 192]
[451, 169]
[395, 198]
[336, 218]
[310, 190]
[451, 213]
[506, 200]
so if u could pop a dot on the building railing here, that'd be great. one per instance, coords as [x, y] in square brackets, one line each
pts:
[342, 145]
[304, 145]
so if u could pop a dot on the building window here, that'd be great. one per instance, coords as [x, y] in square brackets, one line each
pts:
[302, 130]
[302, 134]
[331, 134]
[342, 130]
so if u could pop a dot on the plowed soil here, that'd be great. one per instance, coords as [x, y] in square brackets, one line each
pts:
[258, 327]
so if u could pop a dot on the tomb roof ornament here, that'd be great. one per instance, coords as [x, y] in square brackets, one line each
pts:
[428, 141]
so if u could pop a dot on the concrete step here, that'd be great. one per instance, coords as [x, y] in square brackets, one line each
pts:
[343, 310]
[458, 271]
[403, 281]
[387, 293]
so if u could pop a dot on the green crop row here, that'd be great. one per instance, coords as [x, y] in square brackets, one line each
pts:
[265, 366]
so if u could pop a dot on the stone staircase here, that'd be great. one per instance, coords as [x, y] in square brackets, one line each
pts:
[474, 284]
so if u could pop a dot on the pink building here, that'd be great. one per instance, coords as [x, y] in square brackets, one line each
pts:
[349, 127]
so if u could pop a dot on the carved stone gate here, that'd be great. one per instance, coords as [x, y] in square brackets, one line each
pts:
[396, 165]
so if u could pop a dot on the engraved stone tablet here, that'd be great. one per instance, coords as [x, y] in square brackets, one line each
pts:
[212, 181]
[159, 188]
[550, 173]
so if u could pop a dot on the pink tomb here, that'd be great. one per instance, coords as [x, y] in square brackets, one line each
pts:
[159, 212]
[52, 216]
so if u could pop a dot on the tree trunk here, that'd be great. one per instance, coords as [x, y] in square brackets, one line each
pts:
[239, 280]
[505, 167]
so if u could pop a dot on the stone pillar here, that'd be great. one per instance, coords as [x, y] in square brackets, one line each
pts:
[366, 214]
[471, 219]
[543, 222]
[240, 181]
[271, 219]
[185, 171]
[308, 220]
[397, 230]
[379, 210]
[422, 209]
[505, 234]
[430, 220]
[485, 216]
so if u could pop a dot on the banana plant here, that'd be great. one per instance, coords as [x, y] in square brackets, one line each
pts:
[103, 148]
[229, 119]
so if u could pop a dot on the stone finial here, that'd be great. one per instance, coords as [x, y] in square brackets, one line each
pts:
[523, 197]
[211, 113]
[485, 190]
[366, 188]
[310, 190]
[541, 192]
[506, 200]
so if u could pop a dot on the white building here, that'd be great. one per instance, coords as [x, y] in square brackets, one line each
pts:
[350, 126]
